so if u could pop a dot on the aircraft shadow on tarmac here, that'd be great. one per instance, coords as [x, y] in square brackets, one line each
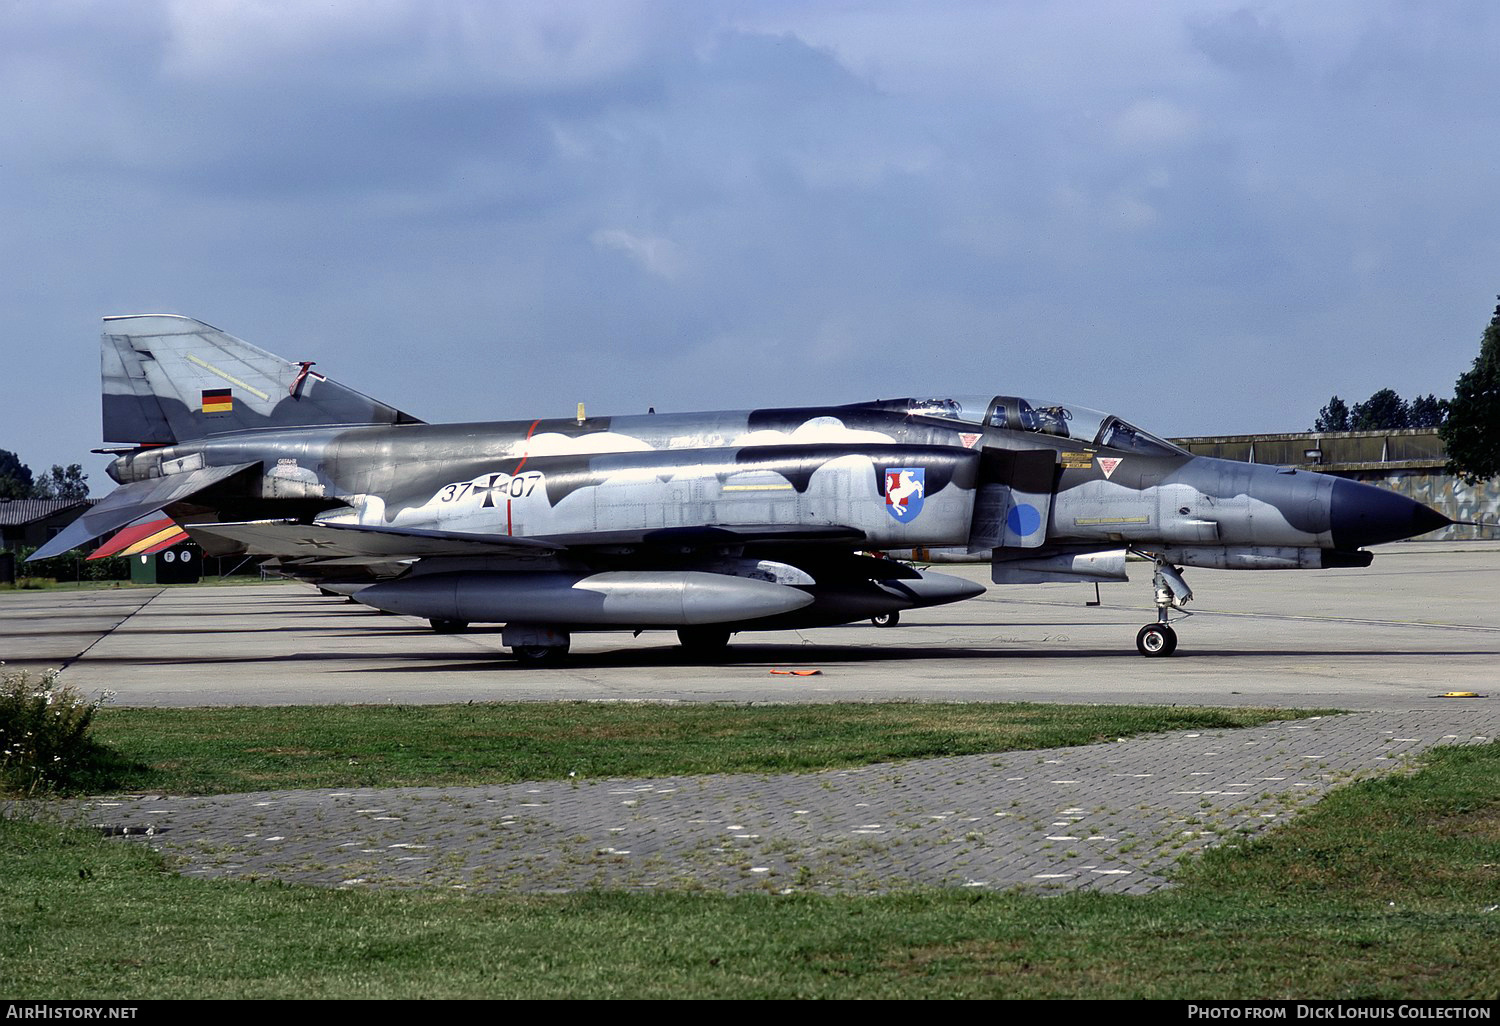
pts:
[70, 632]
[176, 632]
[748, 656]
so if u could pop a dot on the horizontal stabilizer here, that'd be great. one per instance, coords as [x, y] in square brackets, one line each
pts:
[131, 502]
[151, 533]
[293, 540]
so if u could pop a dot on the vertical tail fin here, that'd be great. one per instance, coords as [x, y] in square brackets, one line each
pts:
[169, 378]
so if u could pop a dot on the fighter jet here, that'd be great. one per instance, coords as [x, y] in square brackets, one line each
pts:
[702, 523]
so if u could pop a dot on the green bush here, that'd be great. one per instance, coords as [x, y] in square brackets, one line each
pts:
[44, 731]
[72, 566]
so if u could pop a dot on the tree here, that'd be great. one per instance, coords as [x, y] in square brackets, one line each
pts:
[1383, 411]
[1333, 417]
[58, 483]
[15, 476]
[1427, 411]
[1472, 431]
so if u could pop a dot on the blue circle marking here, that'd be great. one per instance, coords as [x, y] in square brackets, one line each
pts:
[1023, 520]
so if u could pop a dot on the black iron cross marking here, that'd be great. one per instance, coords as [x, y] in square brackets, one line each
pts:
[490, 489]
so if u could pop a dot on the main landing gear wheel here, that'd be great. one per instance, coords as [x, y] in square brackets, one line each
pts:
[703, 642]
[886, 619]
[1156, 639]
[539, 655]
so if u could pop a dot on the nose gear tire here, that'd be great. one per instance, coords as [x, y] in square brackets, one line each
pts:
[1156, 639]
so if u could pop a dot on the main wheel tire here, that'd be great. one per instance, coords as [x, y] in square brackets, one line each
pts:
[540, 655]
[1156, 639]
[890, 619]
[703, 642]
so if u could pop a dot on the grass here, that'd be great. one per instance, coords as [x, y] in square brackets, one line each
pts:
[207, 751]
[1386, 889]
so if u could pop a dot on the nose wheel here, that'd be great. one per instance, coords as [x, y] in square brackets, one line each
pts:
[1171, 592]
[1156, 639]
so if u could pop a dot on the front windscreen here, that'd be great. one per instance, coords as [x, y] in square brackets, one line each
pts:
[1117, 434]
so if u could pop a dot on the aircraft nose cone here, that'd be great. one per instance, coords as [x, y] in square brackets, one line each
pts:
[1366, 515]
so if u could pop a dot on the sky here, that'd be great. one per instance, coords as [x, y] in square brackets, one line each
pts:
[1208, 217]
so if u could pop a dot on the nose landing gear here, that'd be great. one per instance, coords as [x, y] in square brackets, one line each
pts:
[1172, 592]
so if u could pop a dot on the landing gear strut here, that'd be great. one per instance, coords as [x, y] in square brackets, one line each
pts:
[1171, 591]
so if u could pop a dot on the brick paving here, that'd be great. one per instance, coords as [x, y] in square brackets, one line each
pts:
[1108, 817]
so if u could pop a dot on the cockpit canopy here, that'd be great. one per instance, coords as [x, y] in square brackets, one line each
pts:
[1058, 419]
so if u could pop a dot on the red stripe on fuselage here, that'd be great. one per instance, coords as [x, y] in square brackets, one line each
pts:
[524, 457]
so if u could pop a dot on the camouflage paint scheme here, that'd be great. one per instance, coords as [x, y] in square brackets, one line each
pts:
[707, 522]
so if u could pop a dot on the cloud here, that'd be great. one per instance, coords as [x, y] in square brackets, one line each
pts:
[1153, 123]
[1241, 40]
[398, 46]
[661, 257]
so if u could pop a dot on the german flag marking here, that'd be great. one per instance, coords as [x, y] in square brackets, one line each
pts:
[218, 400]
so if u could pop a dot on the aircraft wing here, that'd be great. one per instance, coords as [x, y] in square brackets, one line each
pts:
[129, 502]
[292, 540]
[716, 534]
